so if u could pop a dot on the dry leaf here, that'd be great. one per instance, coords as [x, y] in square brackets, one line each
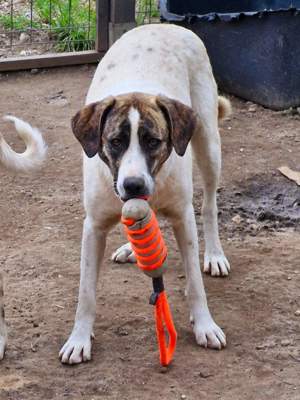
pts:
[289, 173]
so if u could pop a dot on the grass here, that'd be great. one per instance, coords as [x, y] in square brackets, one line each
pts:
[146, 10]
[69, 25]
[20, 22]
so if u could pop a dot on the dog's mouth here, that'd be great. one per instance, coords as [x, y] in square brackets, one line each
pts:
[143, 197]
[126, 198]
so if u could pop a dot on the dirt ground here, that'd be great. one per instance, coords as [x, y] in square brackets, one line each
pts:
[41, 221]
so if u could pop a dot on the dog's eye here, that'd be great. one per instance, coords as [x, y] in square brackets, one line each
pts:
[154, 143]
[116, 143]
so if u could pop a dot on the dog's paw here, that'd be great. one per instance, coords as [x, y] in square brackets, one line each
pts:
[216, 264]
[3, 340]
[124, 254]
[77, 349]
[208, 334]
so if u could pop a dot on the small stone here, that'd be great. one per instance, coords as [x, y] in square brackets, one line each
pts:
[122, 331]
[297, 313]
[237, 219]
[183, 396]
[289, 278]
[163, 370]
[205, 374]
[34, 71]
[252, 108]
[285, 342]
[24, 37]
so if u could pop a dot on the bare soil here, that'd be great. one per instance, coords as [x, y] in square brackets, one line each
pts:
[41, 220]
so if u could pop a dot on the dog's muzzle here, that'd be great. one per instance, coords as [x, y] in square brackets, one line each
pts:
[134, 187]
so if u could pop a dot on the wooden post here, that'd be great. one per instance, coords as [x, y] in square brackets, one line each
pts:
[102, 32]
[122, 18]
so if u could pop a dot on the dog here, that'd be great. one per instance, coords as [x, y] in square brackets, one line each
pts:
[29, 160]
[152, 104]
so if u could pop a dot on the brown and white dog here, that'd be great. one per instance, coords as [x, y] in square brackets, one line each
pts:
[152, 94]
[28, 161]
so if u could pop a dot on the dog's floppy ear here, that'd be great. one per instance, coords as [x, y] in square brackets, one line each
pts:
[181, 120]
[88, 123]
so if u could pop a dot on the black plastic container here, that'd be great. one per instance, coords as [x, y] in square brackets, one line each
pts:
[254, 46]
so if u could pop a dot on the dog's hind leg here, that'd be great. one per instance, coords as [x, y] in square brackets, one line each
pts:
[78, 347]
[3, 332]
[207, 153]
[206, 331]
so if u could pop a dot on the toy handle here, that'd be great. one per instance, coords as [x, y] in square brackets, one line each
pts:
[163, 317]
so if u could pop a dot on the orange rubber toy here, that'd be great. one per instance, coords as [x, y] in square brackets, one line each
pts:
[147, 243]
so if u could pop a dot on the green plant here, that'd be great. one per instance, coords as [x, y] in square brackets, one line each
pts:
[146, 10]
[19, 22]
[73, 24]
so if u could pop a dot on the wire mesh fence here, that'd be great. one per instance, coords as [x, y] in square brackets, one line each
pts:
[29, 27]
[147, 12]
[42, 27]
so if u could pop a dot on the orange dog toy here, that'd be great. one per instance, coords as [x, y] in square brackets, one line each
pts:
[143, 232]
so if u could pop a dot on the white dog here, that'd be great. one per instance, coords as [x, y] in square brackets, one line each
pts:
[151, 95]
[19, 162]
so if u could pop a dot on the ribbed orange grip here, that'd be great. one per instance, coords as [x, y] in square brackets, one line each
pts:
[150, 250]
[147, 243]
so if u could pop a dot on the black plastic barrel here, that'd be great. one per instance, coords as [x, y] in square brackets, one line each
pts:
[254, 46]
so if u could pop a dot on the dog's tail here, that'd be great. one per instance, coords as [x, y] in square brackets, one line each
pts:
[224, 108]
[34, 154]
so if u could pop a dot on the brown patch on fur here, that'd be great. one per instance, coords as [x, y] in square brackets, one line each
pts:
[152, 121]
[182, 122]
[163, 119]
[88, 123]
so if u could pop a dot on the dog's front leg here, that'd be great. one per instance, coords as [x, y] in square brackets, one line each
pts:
[78, 347]
[207, 333]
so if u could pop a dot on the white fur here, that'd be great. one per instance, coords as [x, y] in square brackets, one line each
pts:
[168, 60]
[35, 151]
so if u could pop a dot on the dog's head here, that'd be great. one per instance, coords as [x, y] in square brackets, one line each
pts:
[134, 135]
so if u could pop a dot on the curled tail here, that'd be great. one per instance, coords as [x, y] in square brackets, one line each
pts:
[224, 108]
[34, 154]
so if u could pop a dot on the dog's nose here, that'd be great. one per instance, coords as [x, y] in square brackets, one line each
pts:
[134, 186]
